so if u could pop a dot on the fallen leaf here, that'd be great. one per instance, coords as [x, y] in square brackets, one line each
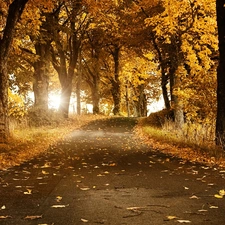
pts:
[5, 217]
[84, 220]
[171, 217]
[85, 189]
[44, 172]
[213, 207]
[184, 221]
[218, 196]
[202, 210]
[194, 197]
[28, 192]
[46, 165]
[222, 192]
[100, 175]
[33, 217]
[58, 198]
[59, 206]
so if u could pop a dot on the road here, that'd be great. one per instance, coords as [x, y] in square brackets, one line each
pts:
[102, 174]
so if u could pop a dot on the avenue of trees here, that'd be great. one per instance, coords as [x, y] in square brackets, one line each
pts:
[121, 54]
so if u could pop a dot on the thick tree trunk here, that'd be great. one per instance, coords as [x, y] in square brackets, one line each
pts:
[176, 104]
[15, 10]
[116, 89]
[175, 81]
[41, 77]
[4, 122]
[220, 121]
[65, 98]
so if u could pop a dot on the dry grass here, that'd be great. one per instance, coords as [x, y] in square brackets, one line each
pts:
[26, 143]
[195, 142]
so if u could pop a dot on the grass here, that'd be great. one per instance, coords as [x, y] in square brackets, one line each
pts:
[195, 142]
[28, 142]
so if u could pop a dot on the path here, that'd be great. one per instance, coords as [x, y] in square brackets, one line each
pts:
[101, 175]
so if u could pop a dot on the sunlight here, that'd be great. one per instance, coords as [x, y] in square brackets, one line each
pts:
[53, 100]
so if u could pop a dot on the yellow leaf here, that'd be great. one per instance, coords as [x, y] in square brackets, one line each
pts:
[218, 196]
[222, 192]
[171, 217]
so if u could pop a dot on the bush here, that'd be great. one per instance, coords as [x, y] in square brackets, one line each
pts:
[158, 119]
[38, 117]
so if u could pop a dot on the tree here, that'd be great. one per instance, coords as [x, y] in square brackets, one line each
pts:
[8, 25]
[68, 25]
[184, 35]
[220, 122]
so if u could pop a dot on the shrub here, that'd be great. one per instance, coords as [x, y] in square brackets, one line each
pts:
[158, 119]
[38, 117]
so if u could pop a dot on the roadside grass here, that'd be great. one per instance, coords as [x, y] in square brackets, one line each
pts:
[27, 142]
[195, 142]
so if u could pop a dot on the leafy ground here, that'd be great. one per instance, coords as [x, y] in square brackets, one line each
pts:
[101, 174]
[30, 142]
[27, 143]
[210, 155]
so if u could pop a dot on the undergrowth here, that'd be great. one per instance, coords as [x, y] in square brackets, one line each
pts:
[194, 142]
[27, 141]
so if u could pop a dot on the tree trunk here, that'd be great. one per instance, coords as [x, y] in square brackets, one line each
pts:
[116, 90]
[127, 100]
[220, 120]
[15, 10]
[141, 103]
[95, 94]
[66, 91]
[164, 82]
[175, 81]
[78, 93]
[41, 77]
[78, 84]
[164, 77]
[176, 104]
[4, 122]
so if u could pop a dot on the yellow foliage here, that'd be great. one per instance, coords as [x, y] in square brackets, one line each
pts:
[16, 105]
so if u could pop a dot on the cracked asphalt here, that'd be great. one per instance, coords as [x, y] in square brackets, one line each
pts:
[102, 174]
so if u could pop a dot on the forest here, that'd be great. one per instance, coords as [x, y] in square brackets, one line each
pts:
[119, 56]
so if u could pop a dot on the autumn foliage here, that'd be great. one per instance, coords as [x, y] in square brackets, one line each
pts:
[117, 55]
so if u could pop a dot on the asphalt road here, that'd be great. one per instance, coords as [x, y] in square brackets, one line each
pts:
[101, 174]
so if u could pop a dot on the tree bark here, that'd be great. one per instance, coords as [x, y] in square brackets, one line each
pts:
[15, 10]
[220, 120]
[164, 77]
[95, 97]
[78, 93]
[175, 82]
[41, 77]
[116, 89]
